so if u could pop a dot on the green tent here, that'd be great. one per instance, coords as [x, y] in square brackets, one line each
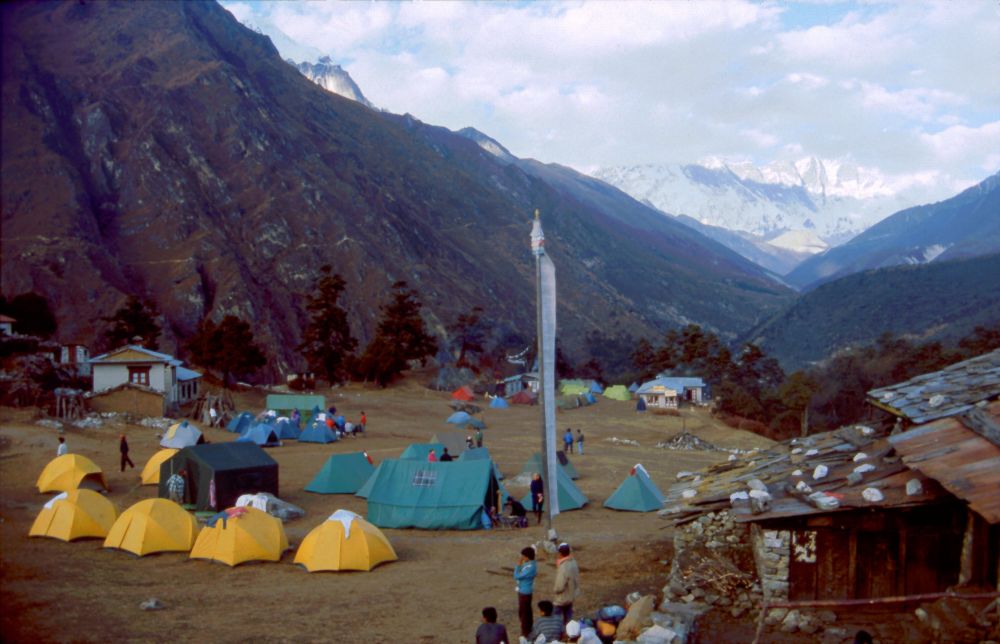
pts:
[479, 454]
[618, 392]
[366, 489]
[342, 474]
[637, 493]
[570, 496]
[534, 464]
[285, 403]
[419, 451]
[573, 387]
[432, 496]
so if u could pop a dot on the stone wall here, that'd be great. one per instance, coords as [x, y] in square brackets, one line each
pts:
[770, 551]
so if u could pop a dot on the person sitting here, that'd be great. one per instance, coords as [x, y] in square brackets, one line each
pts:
[348, 429]
[432, 456]
[549, 625]
[445, 456]
[518, 512]
[489, 632]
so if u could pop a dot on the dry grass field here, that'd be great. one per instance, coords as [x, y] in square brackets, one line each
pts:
[55, 591]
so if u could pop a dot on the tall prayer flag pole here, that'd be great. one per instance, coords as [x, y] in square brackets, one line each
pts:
[545, 280]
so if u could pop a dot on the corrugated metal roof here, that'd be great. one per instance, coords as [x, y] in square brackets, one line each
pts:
[953, 390]
[677, 384]
[965, 463]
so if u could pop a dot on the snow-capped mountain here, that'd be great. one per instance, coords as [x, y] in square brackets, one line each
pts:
[332, 78]
[833, 200]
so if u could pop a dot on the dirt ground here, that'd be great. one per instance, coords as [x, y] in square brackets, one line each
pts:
[55, 591]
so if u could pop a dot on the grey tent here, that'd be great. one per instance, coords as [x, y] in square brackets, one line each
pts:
[218, 473]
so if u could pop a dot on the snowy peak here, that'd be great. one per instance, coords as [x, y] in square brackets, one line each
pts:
[333, 78]
[821, 177]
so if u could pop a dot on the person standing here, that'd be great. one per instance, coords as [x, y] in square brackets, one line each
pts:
[579, 442]
[489, 632]
[568, 441]
[445, 456]
[537, 495]
[567, 585]
[123, 448]
[176, 487]
[63, 448]
[363, 422]
[479, 437]
[524, 574]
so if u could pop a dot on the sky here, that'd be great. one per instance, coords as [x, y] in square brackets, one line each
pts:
[910, 90]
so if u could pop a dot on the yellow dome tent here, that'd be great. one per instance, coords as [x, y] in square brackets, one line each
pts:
[345, 541]
[151, 471]
[153, 525]
[247, 534]
[69, 472]
[75, 515]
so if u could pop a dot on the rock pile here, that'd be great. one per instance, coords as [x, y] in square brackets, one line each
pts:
[687, 442]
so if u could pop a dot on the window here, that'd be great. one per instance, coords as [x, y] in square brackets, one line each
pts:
[424, 478]
[139, 375]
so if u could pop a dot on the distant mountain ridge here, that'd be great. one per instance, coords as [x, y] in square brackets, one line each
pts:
[833, 199]
[965, 225]
[938, 301]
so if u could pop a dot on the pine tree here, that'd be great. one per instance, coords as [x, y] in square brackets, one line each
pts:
[400, 337]
[227, 347]
[136, 318]
[468, 334]
[327, 343]
[32, 314]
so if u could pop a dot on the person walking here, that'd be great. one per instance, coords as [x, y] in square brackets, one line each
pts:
[579, 442]
[123, 448]
[63, 448]
[524, 574]
[567, 584]
[537, 496]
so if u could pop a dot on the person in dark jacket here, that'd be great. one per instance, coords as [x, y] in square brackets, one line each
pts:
[489, 632]
[123, 448]
[445, 456]
[537, 495]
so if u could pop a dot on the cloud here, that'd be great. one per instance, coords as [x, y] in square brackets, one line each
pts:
[903, 87]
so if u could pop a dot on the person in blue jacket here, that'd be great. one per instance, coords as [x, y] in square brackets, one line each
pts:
[524, 574]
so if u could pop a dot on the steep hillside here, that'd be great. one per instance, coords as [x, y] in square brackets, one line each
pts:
[966, 225]
[163, 149]
[942, 300]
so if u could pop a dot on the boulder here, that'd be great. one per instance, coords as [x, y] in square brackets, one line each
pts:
[656, 635]
[638, 617]
[152, 604]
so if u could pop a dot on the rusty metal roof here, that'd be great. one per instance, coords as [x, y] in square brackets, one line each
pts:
[964, 462]
[954, 390]
[782, 466]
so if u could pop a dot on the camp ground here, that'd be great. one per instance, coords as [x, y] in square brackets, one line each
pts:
[433, 496]
[218, 473]
[342, 474]
[637, 493]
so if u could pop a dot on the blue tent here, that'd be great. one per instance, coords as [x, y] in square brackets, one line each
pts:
[590, 398]
[339, 421]
[262, 434]
[239, 424]
[463, 419]
[318, 432]
[499, 403]
[634, 387]
[316, 411]
[286, 429]
[640, 405]
[596, 388]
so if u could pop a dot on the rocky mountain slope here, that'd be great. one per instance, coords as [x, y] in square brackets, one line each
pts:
[940, 300]
[332, 78]
[966, 225]
[164, 150]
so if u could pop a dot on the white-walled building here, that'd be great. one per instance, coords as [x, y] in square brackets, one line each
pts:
[135, 365]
